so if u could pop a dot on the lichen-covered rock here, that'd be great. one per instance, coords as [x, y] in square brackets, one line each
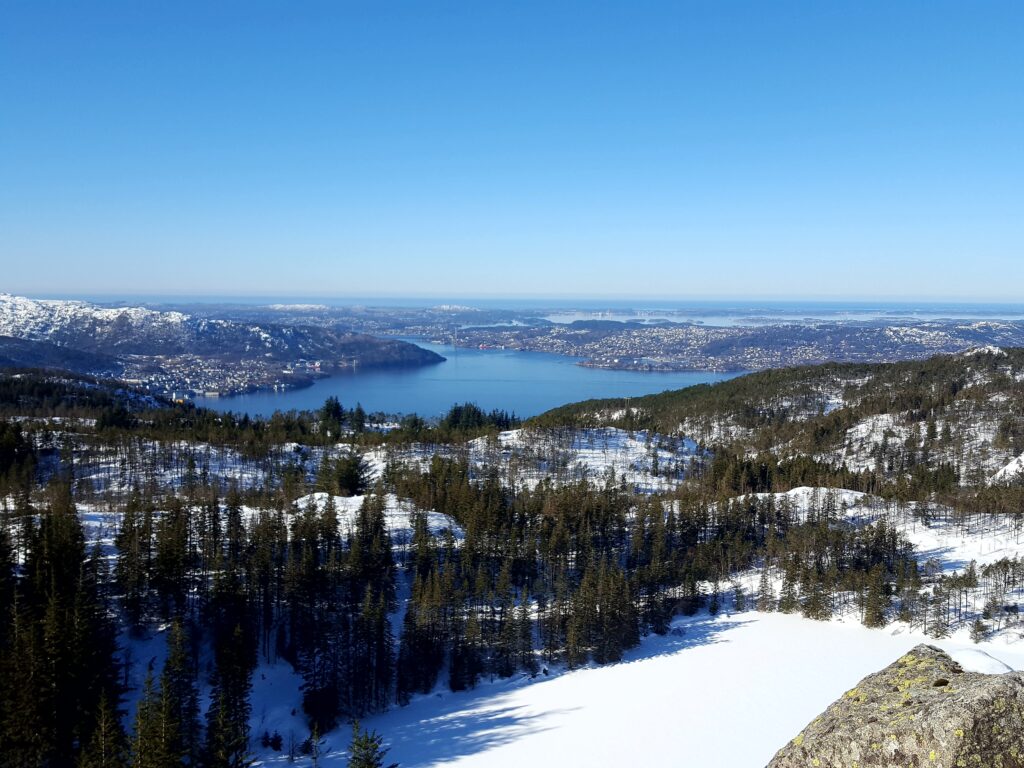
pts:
[923, 710]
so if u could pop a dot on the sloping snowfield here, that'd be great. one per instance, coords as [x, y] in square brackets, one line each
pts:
[719, 692]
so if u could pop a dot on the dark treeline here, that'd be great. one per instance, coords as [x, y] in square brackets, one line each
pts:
[114, 410]
[730, 474]
[57, 639]
[944, 397]
[17, 457]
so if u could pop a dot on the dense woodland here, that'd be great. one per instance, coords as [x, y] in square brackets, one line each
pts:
[798, 405]
[523, 576]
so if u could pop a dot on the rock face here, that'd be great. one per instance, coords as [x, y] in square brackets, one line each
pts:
[923, 710]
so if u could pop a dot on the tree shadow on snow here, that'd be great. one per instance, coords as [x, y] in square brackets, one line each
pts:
[446, 726]
[457, 725]
[685, 632]
[942, 555]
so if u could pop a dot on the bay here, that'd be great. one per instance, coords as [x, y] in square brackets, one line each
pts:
[527, 383]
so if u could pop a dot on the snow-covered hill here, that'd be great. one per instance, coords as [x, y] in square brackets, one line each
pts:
[717, 692]
[70, 323]
[140, 331]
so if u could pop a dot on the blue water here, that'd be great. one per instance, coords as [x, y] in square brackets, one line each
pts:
[527, 383]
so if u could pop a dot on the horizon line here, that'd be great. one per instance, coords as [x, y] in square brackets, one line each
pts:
[285, 297]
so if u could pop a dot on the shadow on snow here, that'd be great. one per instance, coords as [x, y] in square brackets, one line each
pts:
[446, 726]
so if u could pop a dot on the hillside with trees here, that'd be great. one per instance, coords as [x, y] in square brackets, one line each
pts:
[161, 564]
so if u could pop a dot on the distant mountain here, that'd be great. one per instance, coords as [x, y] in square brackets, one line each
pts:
[664, 346]
[21, 353]
[121, 331]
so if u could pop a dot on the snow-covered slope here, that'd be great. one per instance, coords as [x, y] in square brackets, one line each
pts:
[718, 692]
[398, 515]
[58, 321]
[1011, 471]
[140, 331]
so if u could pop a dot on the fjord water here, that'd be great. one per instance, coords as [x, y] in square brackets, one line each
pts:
[527, 383]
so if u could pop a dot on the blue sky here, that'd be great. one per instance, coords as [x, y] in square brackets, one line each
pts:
[640, 149]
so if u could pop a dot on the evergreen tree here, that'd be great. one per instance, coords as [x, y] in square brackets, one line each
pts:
[357, 419]
[876, 598]
[227, 719]
[133, 560]
[62, 664]
[107, 747]
[180, 698]
[765, 593]
[979, 630]
[367, 749]
[350, 475]
[788, 601]
[150, 745]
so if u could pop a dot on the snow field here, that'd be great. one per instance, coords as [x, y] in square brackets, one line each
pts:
[717, 692]
[398, 515]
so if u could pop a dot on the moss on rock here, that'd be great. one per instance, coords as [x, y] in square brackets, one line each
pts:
[921, 710]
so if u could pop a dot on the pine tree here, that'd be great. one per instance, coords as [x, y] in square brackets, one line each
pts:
[765, 592]
[64, 649]
[227, 720]
[367, 750]
[466, 664]
[938, 625]
[180, 697]
[357, 419]
[876, 599]
[421, 652]
[150, 743]
[788, 601]
[739, 597]
[107, 747]
[979, 630]
[133, 556]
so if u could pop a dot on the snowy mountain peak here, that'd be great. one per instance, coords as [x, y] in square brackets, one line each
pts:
[60, 320]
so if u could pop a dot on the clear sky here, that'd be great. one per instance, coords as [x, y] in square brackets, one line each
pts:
[629, 149]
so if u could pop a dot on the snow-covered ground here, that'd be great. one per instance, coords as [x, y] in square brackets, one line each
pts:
[724, 690]
[719, 692]
[1012, 471]
[954, 544]
[398, 515]
[646, 461]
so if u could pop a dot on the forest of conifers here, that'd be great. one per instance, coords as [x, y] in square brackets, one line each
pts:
[522, 576]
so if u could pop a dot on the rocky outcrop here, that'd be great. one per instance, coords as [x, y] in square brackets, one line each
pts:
[923, 710]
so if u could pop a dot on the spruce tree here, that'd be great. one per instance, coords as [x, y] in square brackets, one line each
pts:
[876, 598]
[227, 720]
[367, 749]
[180, 697]
[150, 743]
[133, 556]
[107, 747]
